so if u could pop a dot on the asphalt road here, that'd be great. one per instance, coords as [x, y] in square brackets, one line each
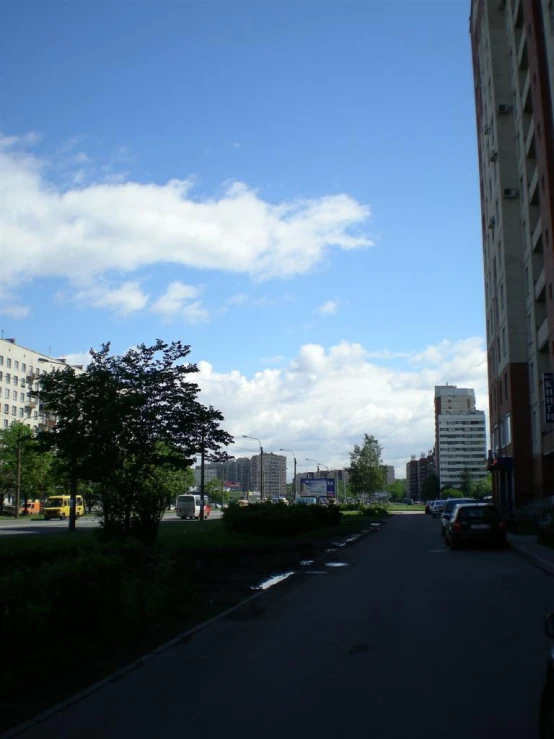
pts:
[407, 640]
[11, 527]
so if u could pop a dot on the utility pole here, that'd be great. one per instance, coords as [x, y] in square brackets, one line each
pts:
[261, 472]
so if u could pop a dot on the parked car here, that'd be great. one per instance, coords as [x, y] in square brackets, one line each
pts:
[476, 522]
[428, 506]
[546, 710]
[437, 508]
[449, 506]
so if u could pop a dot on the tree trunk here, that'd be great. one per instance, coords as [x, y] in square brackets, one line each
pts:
[73, 504]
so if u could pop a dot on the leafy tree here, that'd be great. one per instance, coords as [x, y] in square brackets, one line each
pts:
[367, 475]
[125, 424]
[215, 490]
[397, 490]
[36, 465]
[466, 485]
[431, 487]
[482, 488]
[451, 493]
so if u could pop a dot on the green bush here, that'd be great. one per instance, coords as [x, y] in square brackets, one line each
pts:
[279, 520]
[375, 510]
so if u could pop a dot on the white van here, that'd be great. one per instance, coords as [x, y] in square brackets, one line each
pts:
[188, 506]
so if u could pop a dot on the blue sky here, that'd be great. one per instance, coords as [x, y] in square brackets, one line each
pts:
[323, 193]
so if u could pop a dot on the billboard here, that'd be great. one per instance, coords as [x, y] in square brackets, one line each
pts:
[322, 487]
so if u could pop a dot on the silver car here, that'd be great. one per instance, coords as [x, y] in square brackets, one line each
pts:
[437, 509]
[448, 509]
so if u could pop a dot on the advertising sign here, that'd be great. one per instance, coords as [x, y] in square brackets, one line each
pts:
[548, 390]
[321, 487]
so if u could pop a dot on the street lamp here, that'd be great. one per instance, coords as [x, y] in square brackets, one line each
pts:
[244, 436]
[294, 478]
[318, 463]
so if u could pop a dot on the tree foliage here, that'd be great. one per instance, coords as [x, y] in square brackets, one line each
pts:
[451, 493]
[397, 490]
[431, 487]
[483, 487]
[466, 485]
[129, 424]
[367, 474]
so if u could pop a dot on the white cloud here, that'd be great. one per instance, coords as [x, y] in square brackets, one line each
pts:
[277, 359]
[238, 299]
[178, 301]
[125, 299]
[329, 308]
[87, 230]
[77, 358]
[323, 402]
[14, 310]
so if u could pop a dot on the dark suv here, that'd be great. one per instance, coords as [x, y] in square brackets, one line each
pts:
[449, 506]
[476, 522]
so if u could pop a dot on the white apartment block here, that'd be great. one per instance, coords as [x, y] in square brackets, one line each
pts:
[275, 474]
[461, 436]
[20, 369]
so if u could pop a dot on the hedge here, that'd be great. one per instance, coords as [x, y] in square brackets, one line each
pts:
[279, 519]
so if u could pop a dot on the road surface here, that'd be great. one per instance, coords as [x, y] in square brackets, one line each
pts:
[407, 640]
[20, 527]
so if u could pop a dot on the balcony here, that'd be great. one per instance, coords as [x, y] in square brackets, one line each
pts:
[536, 238]
[533, 186]
[542, 335]
[522, 58]
[525, 97]
[530, 152]
[540, 287]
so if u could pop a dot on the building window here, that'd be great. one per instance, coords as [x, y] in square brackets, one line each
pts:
[532, 377]
[7, 393]
[534, 428]
[14, 410]
[505, 385]
[15, 380]
[6, 423]
[501, 294]
[16, 364]
[0, 376]
[23, 367]
[21, 397]
[14, 394]
[8, 379]
[1, 361]
[503, 342]
[21, 413]
[35, 415]
[6, 408]
[22, 382]
[8, 362]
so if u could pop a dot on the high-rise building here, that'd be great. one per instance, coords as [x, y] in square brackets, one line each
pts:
[274, 472]
[513, 64]
[460, 436]
[417, 472]
[20, 371]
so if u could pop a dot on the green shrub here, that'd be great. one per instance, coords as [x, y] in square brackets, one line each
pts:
[279, 520]
[375, 510]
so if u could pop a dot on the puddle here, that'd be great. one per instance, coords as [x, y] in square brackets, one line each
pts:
[339, 544]
[330, 551]
[315, 572]
[271, 581]
[306, 563]
[336, 564]
[352, 538]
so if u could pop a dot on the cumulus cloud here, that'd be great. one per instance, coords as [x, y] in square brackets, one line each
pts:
[325, 399]
[179, 301]
[329, 308]
[90, 229]
[123, 300]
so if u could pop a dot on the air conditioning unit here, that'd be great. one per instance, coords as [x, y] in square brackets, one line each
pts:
[494, 156]
[510, 192]
[504, 108]
[492, 222]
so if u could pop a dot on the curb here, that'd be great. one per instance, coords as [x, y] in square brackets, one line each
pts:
[118, 674]
[542, 564]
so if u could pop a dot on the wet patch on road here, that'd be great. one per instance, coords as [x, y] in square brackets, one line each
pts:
[337, 564]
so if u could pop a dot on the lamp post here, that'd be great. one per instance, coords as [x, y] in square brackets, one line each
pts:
[317, 463]
[244, 436]
[294, 478]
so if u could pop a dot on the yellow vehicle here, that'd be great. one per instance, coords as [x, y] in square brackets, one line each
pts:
[58, 506]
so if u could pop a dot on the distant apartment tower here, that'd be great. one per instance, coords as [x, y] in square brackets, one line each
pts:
[20, 372]
[389, 472]
[513, 65]
[417, 472]
[460, 436]
[275, 475]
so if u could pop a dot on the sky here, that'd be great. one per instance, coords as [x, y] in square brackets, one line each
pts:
[289, 187]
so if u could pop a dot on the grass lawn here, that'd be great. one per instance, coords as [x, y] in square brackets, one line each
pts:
[403, 507]
[218, 569]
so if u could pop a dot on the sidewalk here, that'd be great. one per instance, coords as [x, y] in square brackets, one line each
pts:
[530, 549]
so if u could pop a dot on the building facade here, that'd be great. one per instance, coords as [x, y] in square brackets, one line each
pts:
[274, 472]
[20, 371]
[460, 436]
[417, 472]
[513, 64]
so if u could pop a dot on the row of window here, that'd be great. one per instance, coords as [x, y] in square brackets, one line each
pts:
[17, 365]
[22, 413]
[22, 396]
[9, 379]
